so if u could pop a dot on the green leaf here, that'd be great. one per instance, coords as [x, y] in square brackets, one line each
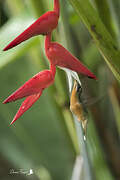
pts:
[105, 43]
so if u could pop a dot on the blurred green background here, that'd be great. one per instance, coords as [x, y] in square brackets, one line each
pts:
[44, 139]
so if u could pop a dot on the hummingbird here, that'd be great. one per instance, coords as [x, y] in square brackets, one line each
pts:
[77, 106]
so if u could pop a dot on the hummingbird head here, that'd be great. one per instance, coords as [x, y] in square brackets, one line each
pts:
[77, 87]
[78, 90]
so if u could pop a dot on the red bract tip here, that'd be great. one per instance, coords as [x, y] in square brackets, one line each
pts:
[60, 56]
[33, 86]
[45, 24]
[32, 89]
[27, 103]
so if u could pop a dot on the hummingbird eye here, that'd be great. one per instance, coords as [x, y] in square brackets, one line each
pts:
[79, 88]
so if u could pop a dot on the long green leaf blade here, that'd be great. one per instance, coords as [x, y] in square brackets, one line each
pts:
[105, 43]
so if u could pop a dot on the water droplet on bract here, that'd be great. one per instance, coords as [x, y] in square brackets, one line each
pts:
[84, 138]
[23, 107]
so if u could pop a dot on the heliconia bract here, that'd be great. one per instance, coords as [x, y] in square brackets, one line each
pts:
[60, 56]
[32, 89]
[43, 25]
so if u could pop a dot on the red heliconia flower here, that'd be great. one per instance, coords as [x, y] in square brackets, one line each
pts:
[45, 24]
[32, 90]
[60, 56]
